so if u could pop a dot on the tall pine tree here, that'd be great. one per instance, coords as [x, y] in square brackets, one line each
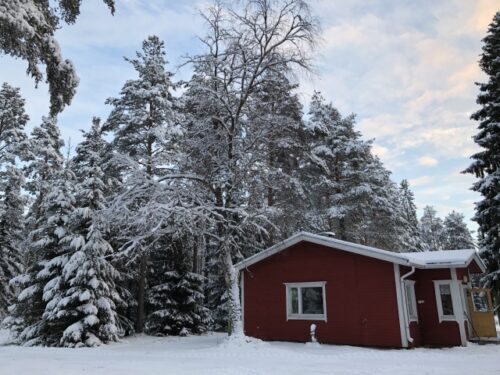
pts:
[47, 219]
[12, 149]
[431, 230]
[83, 313]
[349, 189]
[42, 281]
[143, 121]
[486, 164]
[455, 232]
[11, 226]
[408, 210]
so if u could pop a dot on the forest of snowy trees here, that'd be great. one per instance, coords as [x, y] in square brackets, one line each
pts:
[138, 229]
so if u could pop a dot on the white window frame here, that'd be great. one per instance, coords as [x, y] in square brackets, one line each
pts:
[413, 298]
[315, 284]
[437, 292]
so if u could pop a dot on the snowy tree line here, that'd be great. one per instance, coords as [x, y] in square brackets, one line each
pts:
[140, 228]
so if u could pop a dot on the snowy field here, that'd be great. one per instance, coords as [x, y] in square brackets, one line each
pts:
[210, 354]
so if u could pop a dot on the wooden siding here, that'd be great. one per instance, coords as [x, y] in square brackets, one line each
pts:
[360, 297]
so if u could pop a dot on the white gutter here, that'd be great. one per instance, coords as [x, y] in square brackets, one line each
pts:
[405, 306]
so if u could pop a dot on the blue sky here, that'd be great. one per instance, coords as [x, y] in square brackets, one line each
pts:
[406, 68]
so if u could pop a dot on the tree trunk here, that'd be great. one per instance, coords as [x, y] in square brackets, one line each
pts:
[141, 294]
[195, 266]
[235, 324]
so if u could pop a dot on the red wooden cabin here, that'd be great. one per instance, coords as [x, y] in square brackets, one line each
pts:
[356, 295]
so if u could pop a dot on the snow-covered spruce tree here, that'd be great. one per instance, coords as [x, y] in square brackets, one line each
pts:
[456, 235]
[486, 163]
[84, 310]
[45, 161]
[384, 226]
[41, 283]
[143, 121]
[94, 145]
[27, 29]
[350, 191]
[11, 225]
[245, 40]
[13, 119]
[408, 211]
[175, 296]
[46, 225]
[12, 149]
[277, 130]
[431, 230]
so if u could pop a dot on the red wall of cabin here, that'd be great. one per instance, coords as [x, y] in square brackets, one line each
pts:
[429, 331]
[360, 297]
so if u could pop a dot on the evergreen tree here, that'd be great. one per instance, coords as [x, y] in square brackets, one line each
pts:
[42, 281]
[12, 149]
[27, 30]
[455, 232]
[143, 121]
[350, 191]
[408, 209]
[13, 119]
[276, 128]
[175, 297]
[486, 163]
[83, 313]
[45, 161]
[47, 221]
[431, 230]
[11, 225]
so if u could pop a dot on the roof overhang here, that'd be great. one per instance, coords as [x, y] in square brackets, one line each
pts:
[406, 259]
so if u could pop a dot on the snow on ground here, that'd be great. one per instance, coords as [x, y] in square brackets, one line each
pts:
[210, 354]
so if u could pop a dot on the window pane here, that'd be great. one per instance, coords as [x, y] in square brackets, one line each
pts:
[446, 300]
[409, 301]
[480, 301]
[294, 295]
[312, 300]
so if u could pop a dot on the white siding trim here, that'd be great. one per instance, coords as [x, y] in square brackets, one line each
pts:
[458, 305]
[400, 301]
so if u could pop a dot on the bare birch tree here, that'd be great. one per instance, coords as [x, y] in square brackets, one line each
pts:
[244, 42]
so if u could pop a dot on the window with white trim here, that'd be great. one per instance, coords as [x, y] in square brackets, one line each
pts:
[306, 301]
[444, 299]
[411, 300]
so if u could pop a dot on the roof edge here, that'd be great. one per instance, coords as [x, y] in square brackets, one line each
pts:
[372, 252]
[325, 241]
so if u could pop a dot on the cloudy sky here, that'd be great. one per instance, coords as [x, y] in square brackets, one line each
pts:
[406, 68]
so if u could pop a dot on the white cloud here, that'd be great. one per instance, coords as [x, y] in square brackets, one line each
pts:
[428, 161]
[406, 69]
[422, 180]
[380, 151]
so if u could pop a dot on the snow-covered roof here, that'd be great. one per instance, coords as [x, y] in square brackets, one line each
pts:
[427, 259]
[440, 257]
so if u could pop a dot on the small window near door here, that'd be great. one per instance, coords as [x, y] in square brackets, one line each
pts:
[306, 301]
[411, 300]
[444, 299]
[480, 299]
